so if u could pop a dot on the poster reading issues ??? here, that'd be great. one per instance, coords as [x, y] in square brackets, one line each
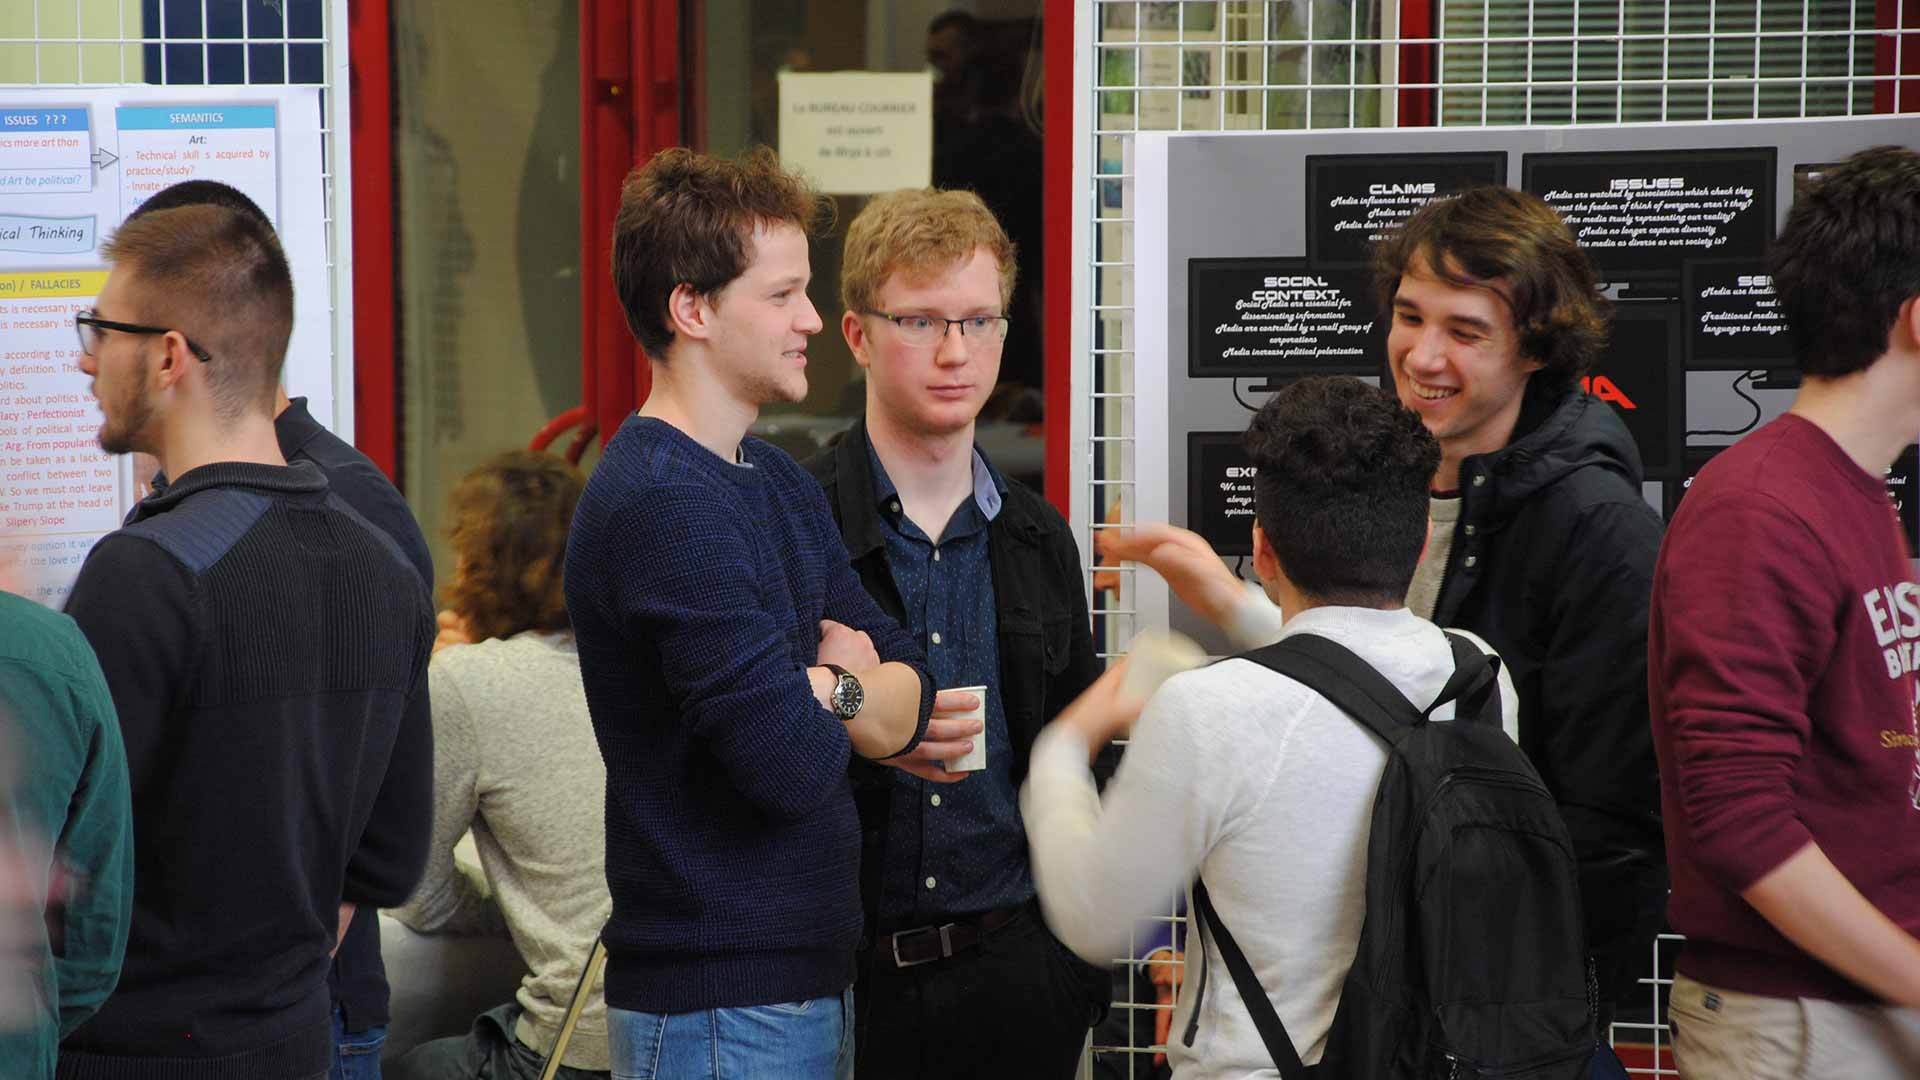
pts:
[73, 164]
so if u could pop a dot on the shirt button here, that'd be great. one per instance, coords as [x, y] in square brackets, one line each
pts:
[936, 800]
[930, 883]
[1471, 559]
[1469, 530]
[936, 637]
[894, 506]
[936, 554]
[1478, 481]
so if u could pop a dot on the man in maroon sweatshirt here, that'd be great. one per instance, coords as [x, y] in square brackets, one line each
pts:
[1782, 636]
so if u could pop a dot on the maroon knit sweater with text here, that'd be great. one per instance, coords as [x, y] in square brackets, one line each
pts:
[1781, 653]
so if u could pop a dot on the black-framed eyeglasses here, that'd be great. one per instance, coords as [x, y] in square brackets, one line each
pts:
[932, 329]
[87, 326]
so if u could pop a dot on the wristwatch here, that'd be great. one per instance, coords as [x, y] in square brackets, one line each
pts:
[848, 695]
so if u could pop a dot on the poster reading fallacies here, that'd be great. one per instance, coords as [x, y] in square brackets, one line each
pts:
[1220, 491]
[1355, 200]
[1733, 319]
[73, 164]
[1277, 318]
[1640, 214]
[1633, 376]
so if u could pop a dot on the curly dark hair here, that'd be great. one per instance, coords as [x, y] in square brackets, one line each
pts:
[1512, 242]
[688, 219]
[1848, 258]
[1341, 488]
[510, 522]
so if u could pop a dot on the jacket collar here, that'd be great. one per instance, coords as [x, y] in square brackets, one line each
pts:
[298, 478]
[295, 427]
[858, 503]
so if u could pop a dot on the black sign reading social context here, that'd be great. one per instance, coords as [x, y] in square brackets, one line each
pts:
[1356, 200]
[1220, 491]
[1641, 214]
[1734, 322]
[1277, 317]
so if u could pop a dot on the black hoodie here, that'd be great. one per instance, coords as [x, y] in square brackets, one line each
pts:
[1552, 564]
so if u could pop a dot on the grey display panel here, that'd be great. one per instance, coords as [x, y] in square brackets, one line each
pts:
[1247, 197]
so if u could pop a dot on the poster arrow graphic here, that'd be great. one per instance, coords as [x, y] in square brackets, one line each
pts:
[102, 157]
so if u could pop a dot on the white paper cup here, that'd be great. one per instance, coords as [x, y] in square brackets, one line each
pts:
[976, 759]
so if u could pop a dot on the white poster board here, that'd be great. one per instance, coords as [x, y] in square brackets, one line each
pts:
[73, 164]
[858, 132]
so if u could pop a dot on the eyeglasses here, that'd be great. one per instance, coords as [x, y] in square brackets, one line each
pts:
[87, 326]
[930, 330]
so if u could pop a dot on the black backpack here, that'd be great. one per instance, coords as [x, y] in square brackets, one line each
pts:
[1471, 960]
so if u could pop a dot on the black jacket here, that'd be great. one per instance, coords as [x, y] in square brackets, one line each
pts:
[1552, 564]
[1046, 640]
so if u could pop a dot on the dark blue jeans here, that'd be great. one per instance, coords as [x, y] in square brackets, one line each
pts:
[356, 1055]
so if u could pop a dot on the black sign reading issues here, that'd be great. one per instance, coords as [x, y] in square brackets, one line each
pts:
[1355, 200]
[1734, 322]
[1639, 214]
[1220, 491]
[1276, 317]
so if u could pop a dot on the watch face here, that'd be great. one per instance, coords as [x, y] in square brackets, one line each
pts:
[848, 696]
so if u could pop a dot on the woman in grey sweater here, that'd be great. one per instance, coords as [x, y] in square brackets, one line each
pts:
[515, 761]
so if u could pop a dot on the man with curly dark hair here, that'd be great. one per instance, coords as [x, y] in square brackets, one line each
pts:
[1786, 707]
[1242, 775]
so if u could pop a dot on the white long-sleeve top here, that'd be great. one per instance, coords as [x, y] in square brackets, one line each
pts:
[1260, 786]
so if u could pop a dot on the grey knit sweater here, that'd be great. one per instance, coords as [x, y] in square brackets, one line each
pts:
[515, 760]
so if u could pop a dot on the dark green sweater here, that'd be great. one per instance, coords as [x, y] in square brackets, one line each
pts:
[63, 791]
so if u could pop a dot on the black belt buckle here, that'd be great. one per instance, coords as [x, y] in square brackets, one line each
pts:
[946, 945]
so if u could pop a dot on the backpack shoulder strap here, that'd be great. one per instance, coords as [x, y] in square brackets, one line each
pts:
[1260, 1007]
[1475, 683]
[1332, 670]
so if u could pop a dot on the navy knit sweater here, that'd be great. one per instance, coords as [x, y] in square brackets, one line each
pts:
[696, 588]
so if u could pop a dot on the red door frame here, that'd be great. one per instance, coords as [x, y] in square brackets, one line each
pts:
[629, 109]
[1902, 92]
[1056, 269]
[376, 384]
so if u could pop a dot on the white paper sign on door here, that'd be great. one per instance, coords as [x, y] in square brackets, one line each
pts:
[858, 132]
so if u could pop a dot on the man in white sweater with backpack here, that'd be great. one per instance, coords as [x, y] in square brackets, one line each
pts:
[1265, 790]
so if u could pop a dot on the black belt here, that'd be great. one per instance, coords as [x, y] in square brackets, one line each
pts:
[912, 948]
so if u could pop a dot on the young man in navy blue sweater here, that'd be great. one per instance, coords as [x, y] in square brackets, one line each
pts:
[732, 660]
